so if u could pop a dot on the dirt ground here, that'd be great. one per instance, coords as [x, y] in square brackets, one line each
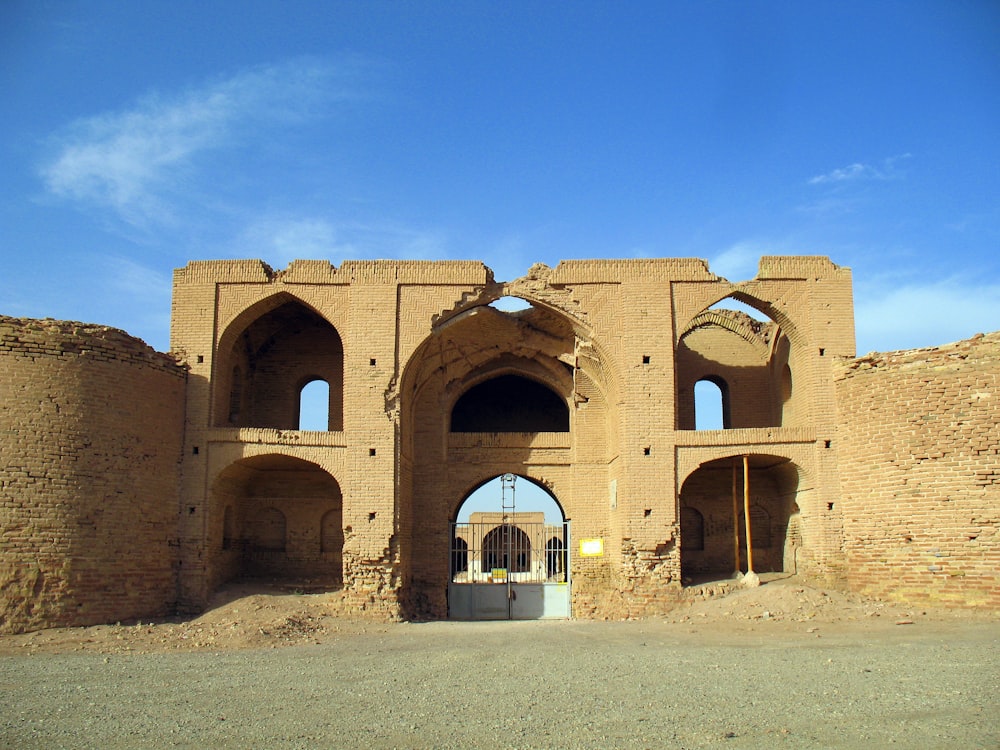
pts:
[783, 665]
[268, 615]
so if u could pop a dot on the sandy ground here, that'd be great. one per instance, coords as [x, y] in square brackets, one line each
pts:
[785, 664]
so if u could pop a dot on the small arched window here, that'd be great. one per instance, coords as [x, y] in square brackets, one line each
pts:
[228, 527]
[692, 529]
[314, 406]
[555, 557]
[459, 556]
[331, 533]
[269, 530]
[236, 396]
[711, 404]
[507, 547]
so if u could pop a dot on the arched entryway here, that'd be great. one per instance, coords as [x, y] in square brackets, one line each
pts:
[509, 553]
[488, 392]
[278, 517]
[714, 501]
[268, 356]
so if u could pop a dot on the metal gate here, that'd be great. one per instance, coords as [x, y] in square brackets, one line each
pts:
[509, 565]
[509, 570]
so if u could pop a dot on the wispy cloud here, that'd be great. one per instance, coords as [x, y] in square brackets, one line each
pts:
[131, 161]
[279, 240]
[137, 298]
[740, 261]
[910, 316]
[858, 171]
[135, 280]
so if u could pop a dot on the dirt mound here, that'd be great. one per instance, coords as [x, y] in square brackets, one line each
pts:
[782, 599]
[269, 616]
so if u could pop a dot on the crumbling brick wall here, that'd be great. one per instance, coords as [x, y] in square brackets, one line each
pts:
[91, 420]
[919, 435]
[131, 485]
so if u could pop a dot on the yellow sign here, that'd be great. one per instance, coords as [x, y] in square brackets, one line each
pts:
[591, 548]
[499, 574]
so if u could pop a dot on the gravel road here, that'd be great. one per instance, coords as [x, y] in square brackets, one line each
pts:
[646, 684]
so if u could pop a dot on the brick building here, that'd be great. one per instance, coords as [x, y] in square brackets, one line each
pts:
[145, 483]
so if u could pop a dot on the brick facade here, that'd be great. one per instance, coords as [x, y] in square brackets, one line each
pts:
[433, 390]
[91, 422]
[920, 472]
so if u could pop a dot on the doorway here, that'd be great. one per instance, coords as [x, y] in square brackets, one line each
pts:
[509, 556]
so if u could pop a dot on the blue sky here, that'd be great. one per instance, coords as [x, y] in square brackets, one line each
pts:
[137, 136]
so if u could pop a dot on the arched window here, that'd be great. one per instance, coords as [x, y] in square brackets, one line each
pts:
[269, 530]
[555, 557]
[314, 406]
[459, 556]
[692, 529]
[510, 403]
[507, 547]
[268, 358]
[711, 404]
[786, 384]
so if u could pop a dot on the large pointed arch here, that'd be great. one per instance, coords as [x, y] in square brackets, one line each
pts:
[711, 508]
[475, 344]
[264, 358]
[275, 516]
[754, 358]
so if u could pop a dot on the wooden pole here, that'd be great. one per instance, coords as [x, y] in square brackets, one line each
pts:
[746, 511]
[736, 521]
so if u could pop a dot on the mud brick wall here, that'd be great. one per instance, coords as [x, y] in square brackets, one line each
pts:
[92, 422]
[919, 436]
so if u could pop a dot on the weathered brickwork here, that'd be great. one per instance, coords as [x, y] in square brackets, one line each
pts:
[134, 483]
[91, 422]
[408, 347]
[920, 472]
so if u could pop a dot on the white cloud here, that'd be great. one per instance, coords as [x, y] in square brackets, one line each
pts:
[740, 261]
[278, 240]
[888, 318]
[854, 171]
[130, 160]
[135, 280]
[859, 171]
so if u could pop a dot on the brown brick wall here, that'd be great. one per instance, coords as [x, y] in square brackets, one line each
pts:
[91, 420]
[880, 471]
[603, 337]
[920, 473]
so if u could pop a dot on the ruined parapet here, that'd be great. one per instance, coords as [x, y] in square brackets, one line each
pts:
[92, 422]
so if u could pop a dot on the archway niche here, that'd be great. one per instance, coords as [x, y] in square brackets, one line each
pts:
[713, 521]
[276, 517]
[734, 345]
[711, 404]
[266, 358]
